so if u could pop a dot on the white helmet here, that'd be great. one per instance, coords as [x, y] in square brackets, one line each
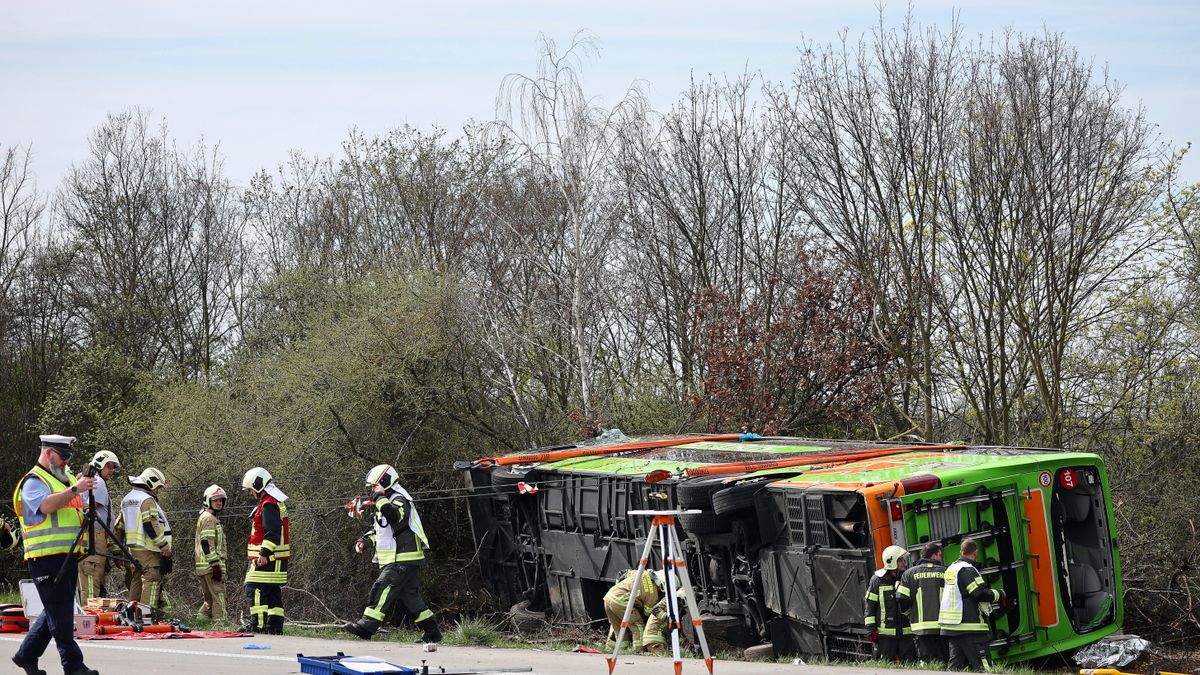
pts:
[150, 478]
[211, 493]
[383, 475]
[104, 458]
[660, 580]
[256, 479]
[892, 556]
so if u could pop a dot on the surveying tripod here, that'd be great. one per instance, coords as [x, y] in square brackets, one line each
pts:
[88, 529]
[662, 527]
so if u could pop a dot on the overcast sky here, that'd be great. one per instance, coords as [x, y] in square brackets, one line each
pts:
[262, 78]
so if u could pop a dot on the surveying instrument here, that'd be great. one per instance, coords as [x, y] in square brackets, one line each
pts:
[662, 528]
[88, 529]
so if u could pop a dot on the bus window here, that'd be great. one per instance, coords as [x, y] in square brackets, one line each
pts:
[1082, 541]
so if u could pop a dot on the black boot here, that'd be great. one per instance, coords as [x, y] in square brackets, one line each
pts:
[82, 670]
[363, 628]
[275, 625]
[30, 667]
[429, 630]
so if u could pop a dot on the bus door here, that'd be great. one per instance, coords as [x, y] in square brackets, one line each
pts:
[992, 513]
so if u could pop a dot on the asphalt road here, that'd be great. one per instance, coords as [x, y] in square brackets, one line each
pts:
[221, 656]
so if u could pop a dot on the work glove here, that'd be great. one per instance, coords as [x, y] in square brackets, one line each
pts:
[217, 574]
[873, 636]
[167, 566]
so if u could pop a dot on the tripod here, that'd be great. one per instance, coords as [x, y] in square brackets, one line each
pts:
[90, 521]
[662, 527]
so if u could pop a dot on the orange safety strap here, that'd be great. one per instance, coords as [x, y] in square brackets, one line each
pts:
[840, 456]
[556, 455]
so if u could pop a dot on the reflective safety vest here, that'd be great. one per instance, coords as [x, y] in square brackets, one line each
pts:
[962, 596]
[57, 531]
[135, 518]
[404, 543]
[208, 528]
[277, 552]
[644, 599]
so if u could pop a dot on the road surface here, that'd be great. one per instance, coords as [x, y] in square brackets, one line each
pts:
[227, 656]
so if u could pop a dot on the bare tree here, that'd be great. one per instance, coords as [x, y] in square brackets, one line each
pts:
[875, 129]
[567, 140]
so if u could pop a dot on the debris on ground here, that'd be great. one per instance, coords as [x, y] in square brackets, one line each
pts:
[1114, 651]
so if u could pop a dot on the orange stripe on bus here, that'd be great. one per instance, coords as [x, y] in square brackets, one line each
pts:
[1042, 562]
[877, 514]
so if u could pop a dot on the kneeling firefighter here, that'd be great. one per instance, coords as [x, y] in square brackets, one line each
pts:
[648, 620]
[148, 538]
[210, 553]
[400, 545]
[269, 551]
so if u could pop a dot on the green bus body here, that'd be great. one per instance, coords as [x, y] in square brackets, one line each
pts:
[782, 556]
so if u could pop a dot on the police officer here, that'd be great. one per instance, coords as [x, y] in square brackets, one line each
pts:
[210, 553]
[148, 538]
[92, 568]
[400, 545]
[960, 616]
[881, 610]
[49, 506]
[269, 551]
[920, 592]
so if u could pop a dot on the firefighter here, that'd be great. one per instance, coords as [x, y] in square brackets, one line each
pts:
[48, 504]
[920, 592]
[148, 538]
[881, 610]
[644, 600]
[92, 569]
[210, 553]
[269, 551]
[658, 624]
[400, 545]
[961, 617]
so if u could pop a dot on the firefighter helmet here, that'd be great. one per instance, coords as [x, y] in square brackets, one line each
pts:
[104, 458]
[660, 580]
[213, 492]
[892, 556]
[150, 478]
[256, 479]
[382, 475]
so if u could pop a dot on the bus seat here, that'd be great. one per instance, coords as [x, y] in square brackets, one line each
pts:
[1076, 506]
[1084, 580]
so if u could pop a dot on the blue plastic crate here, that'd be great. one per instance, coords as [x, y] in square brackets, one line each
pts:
[350, 665]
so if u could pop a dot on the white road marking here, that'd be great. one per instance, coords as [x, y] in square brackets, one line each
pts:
[160, 650]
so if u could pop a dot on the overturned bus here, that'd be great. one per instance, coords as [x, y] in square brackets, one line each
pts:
[788, 532]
